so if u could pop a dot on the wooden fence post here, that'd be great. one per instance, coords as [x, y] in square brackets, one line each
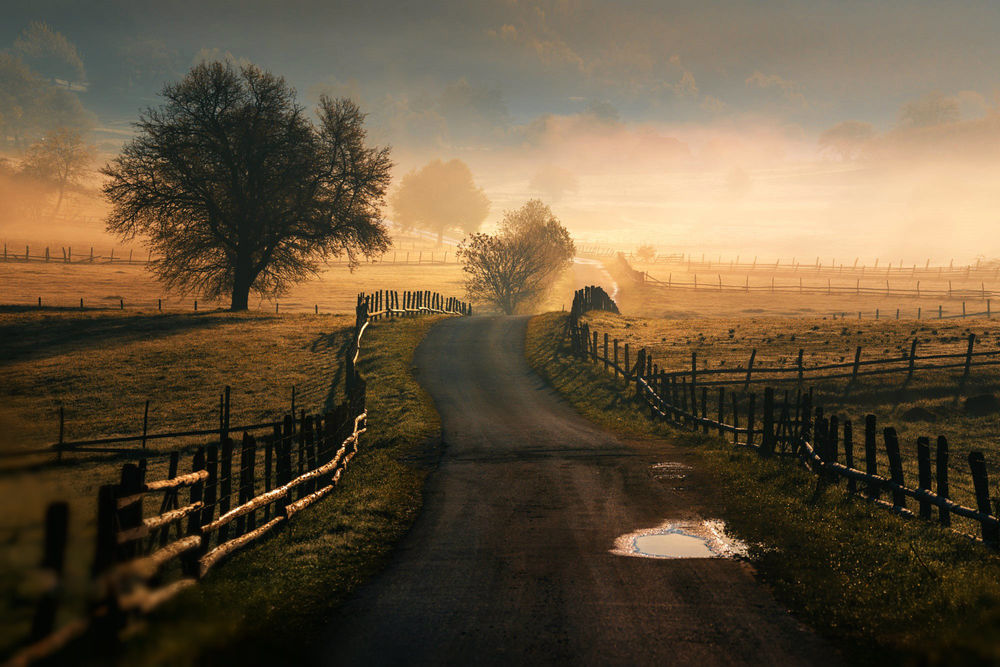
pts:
[211, 489]
[980, 480]
[736, 418]
[751, 399]
[189, 562]
[941, 465]
[722, 410]
[767, 432]
[852, 484]
[225, 484]
[132, 481]
[924, 474]
[753, 355]
[871, 457]
[968, 358]
[895, 466]
[857, 364]
[53, 560]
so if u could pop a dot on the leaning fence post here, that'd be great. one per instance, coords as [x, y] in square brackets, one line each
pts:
[968, 358]
[852, 484]
[895, 467]
[924, 474]
[990, 528]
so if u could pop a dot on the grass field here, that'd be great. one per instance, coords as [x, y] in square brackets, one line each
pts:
[727, 343]
[882, 589]
[102, 285]
[102, 366]
[657, 301]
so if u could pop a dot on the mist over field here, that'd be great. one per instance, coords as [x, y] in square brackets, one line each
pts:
[836, 130]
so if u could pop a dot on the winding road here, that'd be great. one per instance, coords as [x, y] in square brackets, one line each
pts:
[509, 561]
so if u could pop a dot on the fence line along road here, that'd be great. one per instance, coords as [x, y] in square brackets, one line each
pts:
[793, 427]
[222, 505]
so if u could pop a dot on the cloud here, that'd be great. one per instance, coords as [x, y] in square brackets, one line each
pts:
[790, 90]
[218, 55]
[713, 105]
[934, 108]
[847, 139]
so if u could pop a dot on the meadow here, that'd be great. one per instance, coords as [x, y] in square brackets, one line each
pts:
[102, 366]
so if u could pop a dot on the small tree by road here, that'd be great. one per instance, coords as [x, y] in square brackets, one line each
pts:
[239, 191]
[440, 196]
[518, 264]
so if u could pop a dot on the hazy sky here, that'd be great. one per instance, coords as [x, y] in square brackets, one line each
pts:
[692, 124]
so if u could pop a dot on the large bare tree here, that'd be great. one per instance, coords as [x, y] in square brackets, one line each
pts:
[238, 191]
[518, 264]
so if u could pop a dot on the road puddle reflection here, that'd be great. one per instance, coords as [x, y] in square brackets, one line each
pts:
[680, 539]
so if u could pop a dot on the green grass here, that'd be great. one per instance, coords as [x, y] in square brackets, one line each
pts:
[881, 588]
[103, 365]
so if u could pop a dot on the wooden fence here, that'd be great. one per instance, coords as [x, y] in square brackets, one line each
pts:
[690, 264]
[794, 427]
[229, 499]
[64, 255]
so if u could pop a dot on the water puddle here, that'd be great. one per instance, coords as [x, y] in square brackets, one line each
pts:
[669, 470]
[680, 539]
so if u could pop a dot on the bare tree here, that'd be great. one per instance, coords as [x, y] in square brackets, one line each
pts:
[238, 191]
[520, 263]
[60, 157]
[440, 196]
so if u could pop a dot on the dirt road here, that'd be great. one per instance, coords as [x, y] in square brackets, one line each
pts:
[509, 561]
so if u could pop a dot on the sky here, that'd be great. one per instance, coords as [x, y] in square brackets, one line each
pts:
[838, 129]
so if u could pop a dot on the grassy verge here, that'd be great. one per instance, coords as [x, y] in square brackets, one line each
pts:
[880, 588]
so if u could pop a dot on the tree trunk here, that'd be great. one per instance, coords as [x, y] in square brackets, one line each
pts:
[241, 284]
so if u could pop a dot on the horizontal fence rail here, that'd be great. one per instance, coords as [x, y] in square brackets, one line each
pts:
[689, 264]
[237, 492]
[792, 426]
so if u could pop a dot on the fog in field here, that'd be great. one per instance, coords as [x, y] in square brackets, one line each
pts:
[832, 129]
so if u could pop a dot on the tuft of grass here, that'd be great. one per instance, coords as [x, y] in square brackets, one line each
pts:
[881, 588]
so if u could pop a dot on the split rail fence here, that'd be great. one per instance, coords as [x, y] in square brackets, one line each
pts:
[794, 427]
[228, 500]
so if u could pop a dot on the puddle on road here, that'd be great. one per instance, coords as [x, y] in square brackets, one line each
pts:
[680, 539]
[669, 470]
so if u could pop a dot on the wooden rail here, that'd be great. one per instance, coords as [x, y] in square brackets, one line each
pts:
[133, 551]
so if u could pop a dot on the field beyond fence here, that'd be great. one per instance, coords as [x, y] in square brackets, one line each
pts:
[793, 426]
[222, 505]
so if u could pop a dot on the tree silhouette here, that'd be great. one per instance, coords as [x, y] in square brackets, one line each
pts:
[60, 157]
[518, 264]
[439, 197]
[238, 191]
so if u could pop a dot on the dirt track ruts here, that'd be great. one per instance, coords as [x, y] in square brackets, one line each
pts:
[509, 560]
